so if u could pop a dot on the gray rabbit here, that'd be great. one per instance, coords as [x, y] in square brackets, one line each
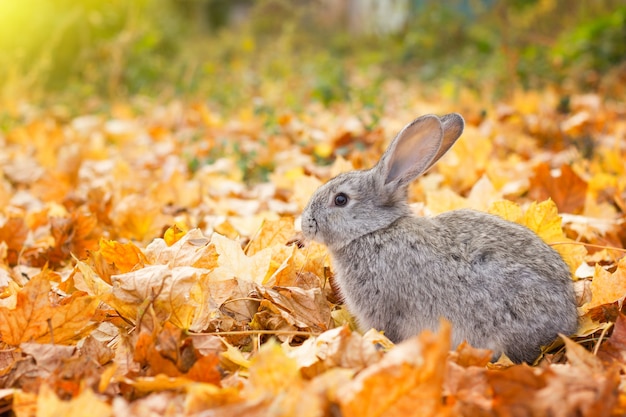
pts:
[497, 282]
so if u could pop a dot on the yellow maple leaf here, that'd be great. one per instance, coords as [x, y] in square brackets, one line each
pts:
[508, 210]
[607, 287]
[28, 320]
[440, 201]
[460, 171]
[94, 285]
[480, 197]
[69, 321]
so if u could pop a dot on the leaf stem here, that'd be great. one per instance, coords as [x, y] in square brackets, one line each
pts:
[248, 332]
[588, 244]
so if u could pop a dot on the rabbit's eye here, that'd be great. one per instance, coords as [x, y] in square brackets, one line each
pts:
[341, 200]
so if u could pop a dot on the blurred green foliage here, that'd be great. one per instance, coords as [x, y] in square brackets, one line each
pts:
[286, 53]
[86, 46]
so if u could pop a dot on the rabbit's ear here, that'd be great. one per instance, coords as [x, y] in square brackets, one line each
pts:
[412, 151]
[453, 125]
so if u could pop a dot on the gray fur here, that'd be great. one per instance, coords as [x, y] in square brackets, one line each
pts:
[497, 282]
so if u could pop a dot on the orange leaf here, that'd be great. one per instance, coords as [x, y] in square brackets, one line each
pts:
[153, 359]
[69, 320]
[607, 287]
[28, 320]
[126, 256]
[205, 370]
[567, 190]
[14, 233]
[407, 381]
[35, 315]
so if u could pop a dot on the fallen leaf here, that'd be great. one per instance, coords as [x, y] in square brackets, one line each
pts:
[407, 381]
[607, 287]
[306, 309]
[234, 263]
[276, 382]
[13, 232]
[36, 318]
[272, 234]
[614, 349]
[174, 233]
[567, 190]
[49, 405]
[338, 347]
[125, 256]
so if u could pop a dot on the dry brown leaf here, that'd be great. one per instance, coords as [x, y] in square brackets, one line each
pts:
[614, 349]
[169, 290]
[338, 347]
[305, 309]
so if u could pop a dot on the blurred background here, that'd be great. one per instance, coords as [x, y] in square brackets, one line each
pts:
[288, 52]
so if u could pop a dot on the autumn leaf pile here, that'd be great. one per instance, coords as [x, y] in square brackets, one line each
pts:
[151, 263]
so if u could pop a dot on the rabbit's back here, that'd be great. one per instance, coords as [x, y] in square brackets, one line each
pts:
[497, 282]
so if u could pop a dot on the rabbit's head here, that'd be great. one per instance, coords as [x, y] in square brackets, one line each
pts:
[359, 202]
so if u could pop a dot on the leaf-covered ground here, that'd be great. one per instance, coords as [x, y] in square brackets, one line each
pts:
[151, 263]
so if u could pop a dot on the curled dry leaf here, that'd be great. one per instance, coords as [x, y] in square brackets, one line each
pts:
[339, 347]
[305, 309]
